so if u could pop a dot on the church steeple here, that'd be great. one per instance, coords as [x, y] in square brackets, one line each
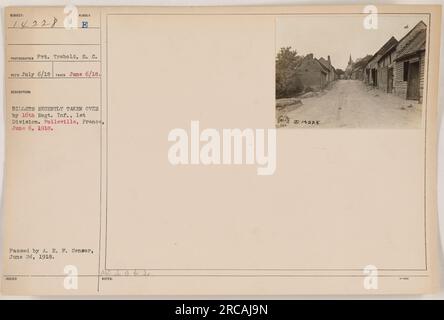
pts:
[350, 61]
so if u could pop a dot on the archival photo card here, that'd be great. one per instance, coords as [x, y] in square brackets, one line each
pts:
[351, 71]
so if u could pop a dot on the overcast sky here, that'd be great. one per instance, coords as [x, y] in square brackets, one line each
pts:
[341, 35]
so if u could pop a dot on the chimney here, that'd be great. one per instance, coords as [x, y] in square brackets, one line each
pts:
[310, 56]
[329, 62]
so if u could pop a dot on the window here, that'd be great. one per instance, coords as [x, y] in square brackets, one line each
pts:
[406, 71]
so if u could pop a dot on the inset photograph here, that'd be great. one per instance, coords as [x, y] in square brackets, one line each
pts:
[342, 71]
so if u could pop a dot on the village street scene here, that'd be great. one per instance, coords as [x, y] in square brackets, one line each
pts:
[381, 88]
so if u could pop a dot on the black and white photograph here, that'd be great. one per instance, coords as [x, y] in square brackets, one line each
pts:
[349, 71]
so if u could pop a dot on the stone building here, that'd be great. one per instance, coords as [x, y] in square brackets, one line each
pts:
[312, 73]
[376, 71]
[398, 66]
[386, 65]
[331, 76]
[410, 63]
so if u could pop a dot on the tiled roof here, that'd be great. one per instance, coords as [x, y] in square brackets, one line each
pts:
[416, 44]
[387, 46]
[323, 64]
[361, 64]
[326, 64]
[309, 57]
[384, 49]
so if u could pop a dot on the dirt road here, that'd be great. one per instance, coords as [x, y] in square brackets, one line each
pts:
[352, 104]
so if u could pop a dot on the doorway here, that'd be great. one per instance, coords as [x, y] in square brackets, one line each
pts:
[375, 77]
[413, 81]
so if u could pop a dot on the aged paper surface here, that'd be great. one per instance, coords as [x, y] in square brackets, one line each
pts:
[124, 175]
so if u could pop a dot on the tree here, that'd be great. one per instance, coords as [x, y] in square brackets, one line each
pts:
[340, 72]
[362, 62]
[287, 82]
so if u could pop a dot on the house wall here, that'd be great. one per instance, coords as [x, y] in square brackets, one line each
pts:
[367, 76]
[373, 64]
[331, 75]
[383, 66]
[314, 79]
[310, 74]
[399, 85]
[324, 79]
